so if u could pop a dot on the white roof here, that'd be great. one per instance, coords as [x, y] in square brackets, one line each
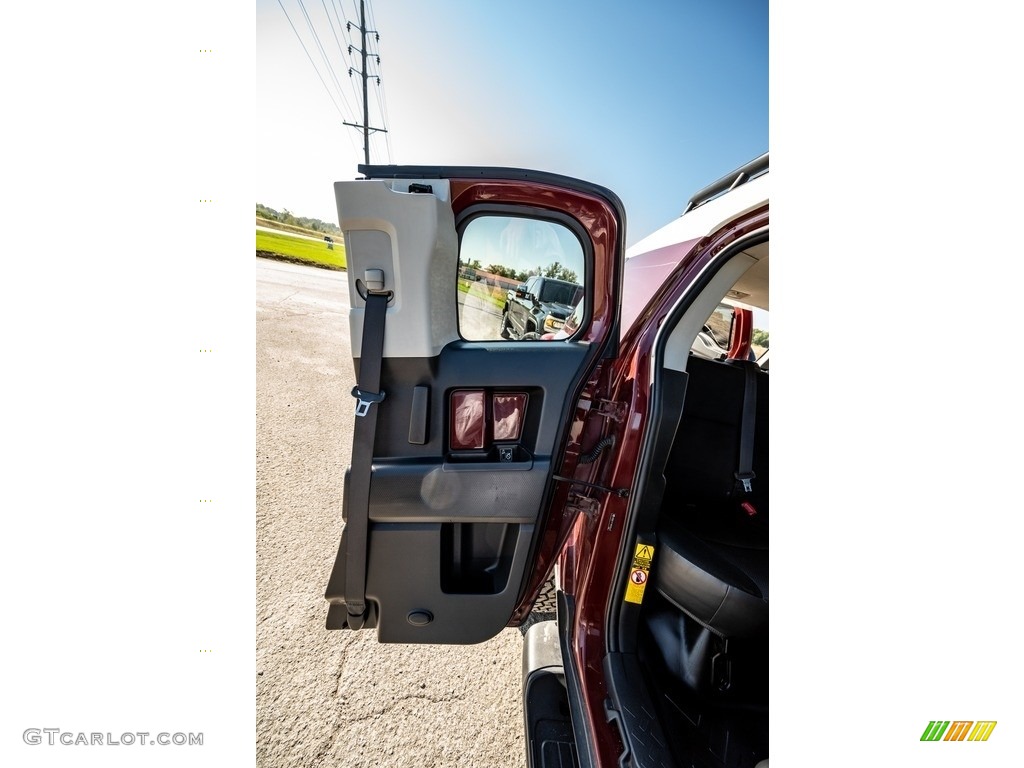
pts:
[706, 218]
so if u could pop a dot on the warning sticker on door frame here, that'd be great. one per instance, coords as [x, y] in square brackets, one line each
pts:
[639, 573]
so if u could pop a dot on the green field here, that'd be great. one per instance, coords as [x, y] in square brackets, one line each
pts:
[303, 250]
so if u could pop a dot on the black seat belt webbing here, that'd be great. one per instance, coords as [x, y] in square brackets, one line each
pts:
[745, 470]
[357, 492]
[367, 392]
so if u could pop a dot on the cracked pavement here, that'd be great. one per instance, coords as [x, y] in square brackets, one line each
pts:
[340, 698]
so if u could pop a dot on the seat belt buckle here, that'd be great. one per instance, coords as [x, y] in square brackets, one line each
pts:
[744, 478]
[365, 400]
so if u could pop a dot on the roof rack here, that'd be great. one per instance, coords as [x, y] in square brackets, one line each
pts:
[730, 181]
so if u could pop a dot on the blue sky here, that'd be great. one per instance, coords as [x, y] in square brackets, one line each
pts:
[652, 100]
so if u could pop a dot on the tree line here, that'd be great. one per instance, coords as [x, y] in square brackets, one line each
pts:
[554, 270]
[287, 217]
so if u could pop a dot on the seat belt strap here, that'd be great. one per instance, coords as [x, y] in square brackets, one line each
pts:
[745, 468]
[357, 488]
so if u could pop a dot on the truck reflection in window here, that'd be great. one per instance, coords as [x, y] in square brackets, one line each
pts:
[560, 293]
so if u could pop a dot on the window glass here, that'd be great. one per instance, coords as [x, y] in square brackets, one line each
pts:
[718, 337]
[519, 278]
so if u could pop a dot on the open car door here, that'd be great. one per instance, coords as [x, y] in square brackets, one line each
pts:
[460, 433]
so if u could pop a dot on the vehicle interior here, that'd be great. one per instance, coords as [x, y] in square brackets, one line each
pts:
[699, 640]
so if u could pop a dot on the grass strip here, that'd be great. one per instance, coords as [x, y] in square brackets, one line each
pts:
[308, 251]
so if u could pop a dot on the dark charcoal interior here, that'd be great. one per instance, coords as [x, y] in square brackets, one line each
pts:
[703, 638]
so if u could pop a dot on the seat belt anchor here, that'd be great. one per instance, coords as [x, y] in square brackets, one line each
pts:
[744, 479]
[365, 400]
[356, 619]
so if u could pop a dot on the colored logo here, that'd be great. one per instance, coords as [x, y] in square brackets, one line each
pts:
[958, 730]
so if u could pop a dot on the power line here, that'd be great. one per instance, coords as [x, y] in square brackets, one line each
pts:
[368, 66]
[382, 103]
[346, 32]
[323, 54]
[330, 96]
[331, 25]
[365, 75]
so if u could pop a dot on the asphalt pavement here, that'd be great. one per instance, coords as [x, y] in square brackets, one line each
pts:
[340, 698]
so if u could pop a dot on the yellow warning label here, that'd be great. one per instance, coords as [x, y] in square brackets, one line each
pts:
[639, 572]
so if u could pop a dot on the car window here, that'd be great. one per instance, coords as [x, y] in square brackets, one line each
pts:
[719, 325]
[715, 338]
[519, 277]
[559, 293]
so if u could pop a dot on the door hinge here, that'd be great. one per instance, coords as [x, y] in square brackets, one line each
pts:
[611, 409]
[585, 504]
[622, 493]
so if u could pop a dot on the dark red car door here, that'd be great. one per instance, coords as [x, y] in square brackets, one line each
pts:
[444, 513]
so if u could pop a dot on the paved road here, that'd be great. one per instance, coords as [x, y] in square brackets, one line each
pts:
[479, 319]
[338, 698]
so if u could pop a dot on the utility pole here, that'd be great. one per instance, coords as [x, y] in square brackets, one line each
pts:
[367, 130]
